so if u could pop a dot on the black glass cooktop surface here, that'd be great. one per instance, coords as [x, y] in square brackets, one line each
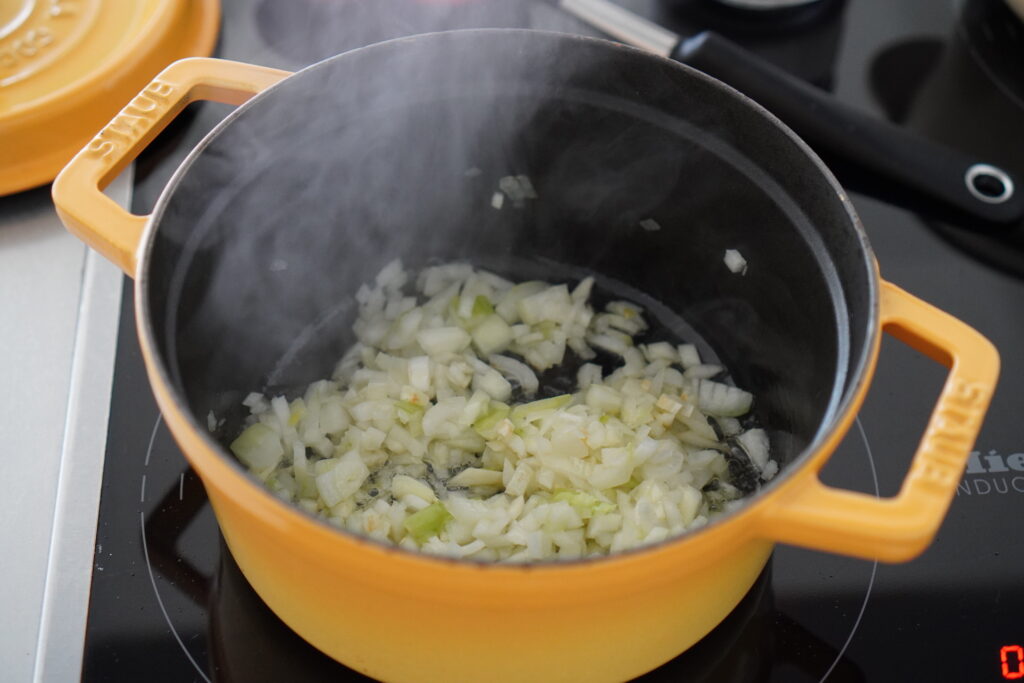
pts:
[169, 604]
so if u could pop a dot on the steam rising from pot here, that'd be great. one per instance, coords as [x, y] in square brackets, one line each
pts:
[313, 30]
[388, 151]
[395, 151]
[308, 189]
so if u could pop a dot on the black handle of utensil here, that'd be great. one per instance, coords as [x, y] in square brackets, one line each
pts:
[891, 154]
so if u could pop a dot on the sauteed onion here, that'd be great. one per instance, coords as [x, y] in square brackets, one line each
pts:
[438, 433]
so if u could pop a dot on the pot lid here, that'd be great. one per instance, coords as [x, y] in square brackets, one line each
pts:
[68, 66]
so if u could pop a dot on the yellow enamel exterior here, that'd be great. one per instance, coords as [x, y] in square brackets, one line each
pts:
[399, 616]
[67, 64]
[77, 191]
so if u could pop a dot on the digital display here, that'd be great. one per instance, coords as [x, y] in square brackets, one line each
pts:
[1011, 659]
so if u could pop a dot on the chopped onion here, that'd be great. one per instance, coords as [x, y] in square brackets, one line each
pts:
[755, 443]
[730, 426]
[735, 262]
[529, 411]
[715, 398]
[443, 340]
[403, 485]
[427, 522]
[474, 476]
[588, 374]
[415, 441]
[551, 305]
[518, 372]
[419, 372]
[688, 355]
[703, 371]
[660, 351]
[508, 307]
[342, 480]
[603, 399]
[493, 335]
[490, 381]
[612, 342]
[259, 447]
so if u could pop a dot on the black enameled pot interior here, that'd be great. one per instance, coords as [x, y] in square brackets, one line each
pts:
[396, 150]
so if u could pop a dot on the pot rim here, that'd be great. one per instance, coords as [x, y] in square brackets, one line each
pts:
[831, 430]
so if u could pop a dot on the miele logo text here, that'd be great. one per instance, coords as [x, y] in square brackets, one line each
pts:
[134, 120]
[992, 473]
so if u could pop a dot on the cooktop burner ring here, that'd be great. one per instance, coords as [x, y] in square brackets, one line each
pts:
[874, 565]
[145, 552]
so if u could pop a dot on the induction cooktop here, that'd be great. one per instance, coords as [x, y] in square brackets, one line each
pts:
[168, 602]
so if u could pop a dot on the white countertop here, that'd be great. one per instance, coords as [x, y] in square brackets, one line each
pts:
[59, 305]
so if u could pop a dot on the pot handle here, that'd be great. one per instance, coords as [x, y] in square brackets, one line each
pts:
[77, 191]
[898, 529]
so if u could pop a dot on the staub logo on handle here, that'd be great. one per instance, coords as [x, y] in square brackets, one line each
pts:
[129, 126]
[951, 432]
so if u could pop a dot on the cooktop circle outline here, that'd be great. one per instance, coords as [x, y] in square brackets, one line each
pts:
[149, 565]
[874, 565]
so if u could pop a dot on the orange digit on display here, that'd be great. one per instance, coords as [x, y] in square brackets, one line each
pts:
[1012, 670]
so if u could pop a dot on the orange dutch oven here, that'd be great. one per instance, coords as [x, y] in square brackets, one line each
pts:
[246, 269]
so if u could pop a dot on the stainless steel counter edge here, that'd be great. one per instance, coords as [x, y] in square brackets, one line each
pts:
[59, 648]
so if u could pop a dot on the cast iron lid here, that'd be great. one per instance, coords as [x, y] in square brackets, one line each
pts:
[66, 67]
